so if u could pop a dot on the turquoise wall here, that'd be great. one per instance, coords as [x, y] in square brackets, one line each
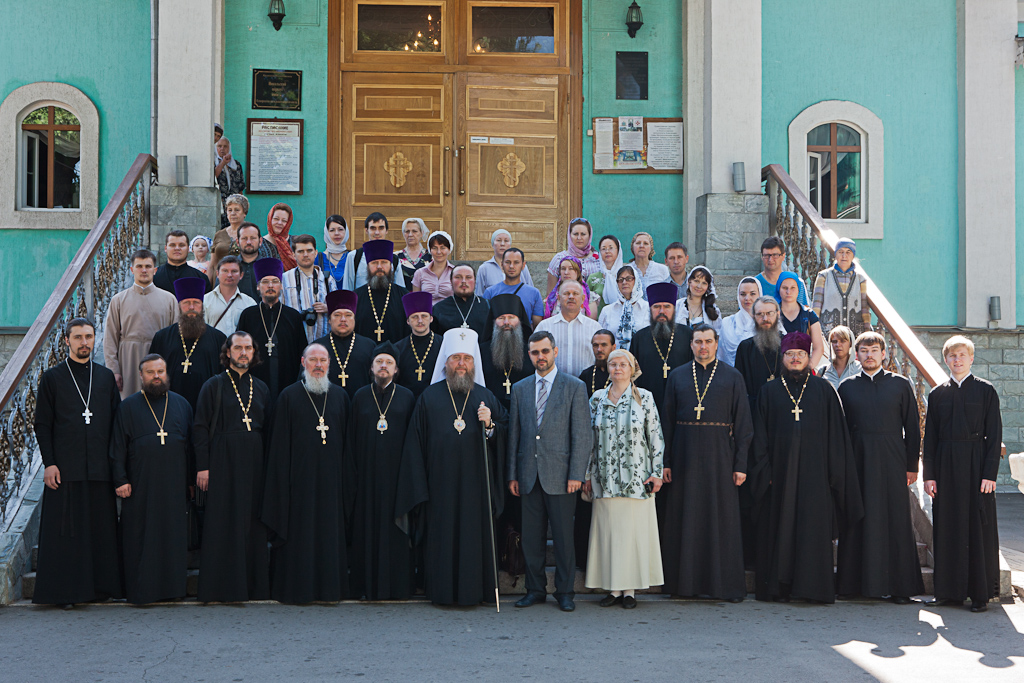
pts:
[1019, 198]
[107, 58]
[622, 204]
[252, 43]
[913, 91]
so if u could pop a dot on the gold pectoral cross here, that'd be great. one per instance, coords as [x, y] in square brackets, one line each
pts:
[699, 409]
[248, 423]
[343, 376]
[378, 332]
[796, 412]
[322, 428]
[185, 365]
[162, 434]
[664, 371]
[419, 374]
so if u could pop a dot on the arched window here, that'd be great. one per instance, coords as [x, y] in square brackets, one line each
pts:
[51, 161]
[834, 170]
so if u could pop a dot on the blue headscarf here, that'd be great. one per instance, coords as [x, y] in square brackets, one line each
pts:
[785, 275]
[845, 243]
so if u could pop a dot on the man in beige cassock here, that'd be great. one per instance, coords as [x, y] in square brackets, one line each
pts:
[134, 316]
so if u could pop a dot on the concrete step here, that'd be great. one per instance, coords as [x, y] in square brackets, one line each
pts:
[924, 555]
[28, 584]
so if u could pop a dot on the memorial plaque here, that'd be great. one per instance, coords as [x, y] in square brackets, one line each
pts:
[631, 75]
[276, 89]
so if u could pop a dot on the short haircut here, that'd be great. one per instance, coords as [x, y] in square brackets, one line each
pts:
[765, 300]
[309, 347]
[227, 260]
[78, 322]
[238, 199]
[541, 336]
[869, 338]
[570, 282]
[676, 245]
[955, 342]
[772, 242]
[437, 237]
[142, 254]
[704, 327]
[844, 332]
[149, 358]
[513, 250]
[373, 218]
[304, 239]
[247, 224]
[175, 233]
[226, 362]
[462, 265]
[605, 332]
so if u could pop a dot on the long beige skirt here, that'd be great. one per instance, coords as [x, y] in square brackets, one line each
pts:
[625, 551]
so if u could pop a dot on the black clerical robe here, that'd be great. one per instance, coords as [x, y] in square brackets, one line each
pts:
[962, 444]
[382, 562]
[351, 358]
[442, 478]
[279, 367]
[805, 489]
[426, 349]
[878, 554]
[154, 528]
[78, 558]
[308, 499]
[702, 550]
[203, 360]
[757, 368]
[652, 363]
[595, 378]
[391, 318]
[451, 312]
[495, 377]
[235, 561]
[166, 275]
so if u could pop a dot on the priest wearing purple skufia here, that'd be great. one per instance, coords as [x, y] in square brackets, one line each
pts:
[443, 477]
[380, 316]
[804, 480]
[417, 353]
[350, 353]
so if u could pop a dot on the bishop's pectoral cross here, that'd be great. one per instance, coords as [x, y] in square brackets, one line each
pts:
[270, 346]
[343, 376]
[185, 364]
[664, 370]
[162, 434]
[88, 415]
[378, 332]
[248, 423]
[796, 412]
[419, 374]
[322, 428]
[699, 409]
[507, 385]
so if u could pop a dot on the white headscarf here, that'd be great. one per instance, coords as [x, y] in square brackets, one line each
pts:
[419, 222]
[231, 164]
[737, 327]
[611, 287]
[329, 246]
[446, 236]
[459, 340]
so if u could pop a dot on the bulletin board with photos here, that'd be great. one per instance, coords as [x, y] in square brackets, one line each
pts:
[637, 144]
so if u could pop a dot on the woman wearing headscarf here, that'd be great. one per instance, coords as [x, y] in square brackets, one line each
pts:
[740, 325]
[230, 177]
[624, 473]
[225, 241]
[571, 269]
[630, 312]
[795, 317]
[413, 256]
[699, 304]
[279, 223]
[580, 248]
[651, 272]
[200, 248]
[841, 293]
[611, 261]
[436, 278]
[332, 259]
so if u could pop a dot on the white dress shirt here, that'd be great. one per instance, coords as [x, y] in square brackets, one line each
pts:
[573, 339]
[214, 304]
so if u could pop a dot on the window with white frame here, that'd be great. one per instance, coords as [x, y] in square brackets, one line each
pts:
[51, 159]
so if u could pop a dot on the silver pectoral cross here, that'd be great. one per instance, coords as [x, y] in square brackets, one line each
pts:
[87, 415]
[270, 347]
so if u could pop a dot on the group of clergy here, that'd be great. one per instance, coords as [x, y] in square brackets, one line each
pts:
[371, 463]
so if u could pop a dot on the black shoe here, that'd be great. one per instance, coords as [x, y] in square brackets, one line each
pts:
[609, 600]
[946, 603]
[531, 599]
[901, 600]
[565, 603]
[628, 602]
[979, 606]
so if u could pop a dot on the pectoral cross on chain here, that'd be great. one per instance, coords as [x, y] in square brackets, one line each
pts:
[664, 371]
[270, 347]
[378, 332]
[343, 376]
[796, 412]
[419, 374]
[162, 434]
[699, 409]
[248, 423]
[185, 364]
[88, 415]
[322, 428]
[508, 386]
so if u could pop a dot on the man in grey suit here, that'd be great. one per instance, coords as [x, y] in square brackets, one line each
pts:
[550, 440]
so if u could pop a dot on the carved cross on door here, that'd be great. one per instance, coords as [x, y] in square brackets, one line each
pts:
[397, 167]
[511, 167]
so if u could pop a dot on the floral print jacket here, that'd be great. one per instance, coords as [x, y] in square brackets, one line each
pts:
[628, 447]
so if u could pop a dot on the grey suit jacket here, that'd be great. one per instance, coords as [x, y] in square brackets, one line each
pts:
[560, 449]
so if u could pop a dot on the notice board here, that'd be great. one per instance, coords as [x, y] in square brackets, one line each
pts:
[637, 144]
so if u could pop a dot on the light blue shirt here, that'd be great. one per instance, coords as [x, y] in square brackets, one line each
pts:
[533, 302]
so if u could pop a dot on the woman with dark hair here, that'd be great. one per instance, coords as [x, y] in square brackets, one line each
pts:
[611, 261]
[796, 317]
[630, 313]
[580, 248]
[332, 259]
[700, 304]
[436, 278]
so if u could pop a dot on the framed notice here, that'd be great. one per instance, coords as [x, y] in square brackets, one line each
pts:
[638, 144]
[274, 152]
[276, 89]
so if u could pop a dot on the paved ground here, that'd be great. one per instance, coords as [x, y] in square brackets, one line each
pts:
[1010, 509]
[660, 640]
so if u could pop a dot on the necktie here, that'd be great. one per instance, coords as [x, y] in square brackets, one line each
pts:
[542, 399]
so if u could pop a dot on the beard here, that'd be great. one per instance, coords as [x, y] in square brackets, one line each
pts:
[507, 348]
[662, 331]
[154, 389]
[767, 341]
[459, 384]
[796, 378]
[192, 325]
[379, 282]
[83, 352]
[382, 382]
[316, 385]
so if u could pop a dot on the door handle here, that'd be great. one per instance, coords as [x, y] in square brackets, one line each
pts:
[462, 174]
[447, 192]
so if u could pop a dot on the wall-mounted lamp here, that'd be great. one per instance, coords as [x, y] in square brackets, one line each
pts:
[634, 19]
[276, 13]
[181, 170]
[739, 176]
[995, 312]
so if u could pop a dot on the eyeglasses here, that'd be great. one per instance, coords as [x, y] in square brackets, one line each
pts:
[626, 279]
[769, 257]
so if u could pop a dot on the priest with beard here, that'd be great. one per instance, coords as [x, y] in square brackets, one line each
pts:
[380, 316]
[232, 419]
[596, 377]
[878, 554]
[190, 346]
[804, 480]
[463, 309]
[78, 554]
[277, 330]
[309, 490]
[443, 474]
[663, 346]
[150, 449]
[417, 353]
[350, 353]
[708, 430]
[506, 358]
[382, 561]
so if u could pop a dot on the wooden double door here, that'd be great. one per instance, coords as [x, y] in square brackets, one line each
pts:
[466, 152]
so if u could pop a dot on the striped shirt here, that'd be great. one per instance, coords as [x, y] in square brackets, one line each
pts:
[573, 339]
[300, 291]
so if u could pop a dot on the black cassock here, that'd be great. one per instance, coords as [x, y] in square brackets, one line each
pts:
[391, 317]
[595, 378]
[166, 275]
[154, 522]
[962, 443]
[78, 557]
[308, 497]
[650, 360]
[495, 378]
[204, 361]
[407, 364]
[805, 489]
[442, 478]
[280, 368]
[878, 554]
[355, 352]
[235, 560]
[450, 313]
[382, 562]
[702, 548]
